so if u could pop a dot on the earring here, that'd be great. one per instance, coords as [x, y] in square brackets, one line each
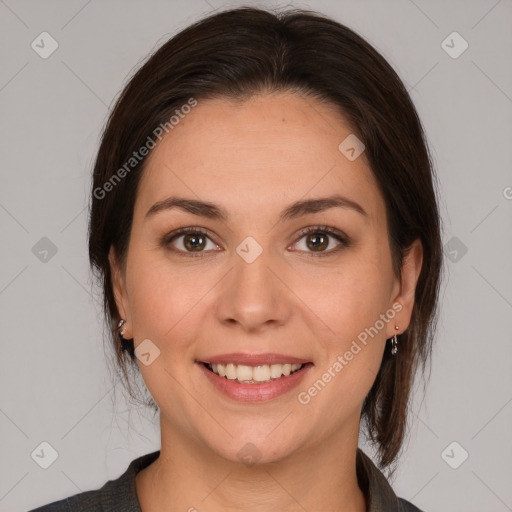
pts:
[119, 325]
[126, 344]
[394, 343]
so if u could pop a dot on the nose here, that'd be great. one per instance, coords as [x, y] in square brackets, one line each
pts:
[253, 297]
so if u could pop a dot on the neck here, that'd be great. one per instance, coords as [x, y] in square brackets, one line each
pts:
[186, 477]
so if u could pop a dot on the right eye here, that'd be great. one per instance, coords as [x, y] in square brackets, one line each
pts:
[189, 240]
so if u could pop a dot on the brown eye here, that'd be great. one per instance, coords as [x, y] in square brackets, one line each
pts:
[321, 241]
[194, 242]
[189, 240]
[317, 241]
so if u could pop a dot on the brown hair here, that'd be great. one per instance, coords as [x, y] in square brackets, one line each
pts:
[240, 52]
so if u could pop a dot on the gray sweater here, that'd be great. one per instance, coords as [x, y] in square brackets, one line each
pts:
[119, 495]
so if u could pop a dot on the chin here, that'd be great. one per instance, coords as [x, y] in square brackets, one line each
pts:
[257, 446]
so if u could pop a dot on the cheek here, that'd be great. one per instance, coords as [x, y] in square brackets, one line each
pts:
[158, 298]
[167, 301]
[165, 305]
[347, 298]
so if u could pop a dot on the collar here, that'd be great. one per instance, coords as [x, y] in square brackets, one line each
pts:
[380, 497]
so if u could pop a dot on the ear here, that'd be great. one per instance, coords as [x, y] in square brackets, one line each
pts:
[119, 289]
[411, 268]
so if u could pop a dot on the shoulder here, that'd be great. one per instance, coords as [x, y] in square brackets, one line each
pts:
[379, 493]
[115, 495]
[406, 506]
[90, 500]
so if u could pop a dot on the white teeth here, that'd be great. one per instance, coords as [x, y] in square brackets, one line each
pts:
[231, 371]
[263, 373]
[243, 372]
[276, 370]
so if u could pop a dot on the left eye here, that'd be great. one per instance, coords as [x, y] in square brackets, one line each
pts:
[319, 240]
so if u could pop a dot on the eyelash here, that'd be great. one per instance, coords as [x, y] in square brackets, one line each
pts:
[343, 239]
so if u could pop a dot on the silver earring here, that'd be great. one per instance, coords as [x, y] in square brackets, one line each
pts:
[394, 343]
[119, 325]
[126, 344]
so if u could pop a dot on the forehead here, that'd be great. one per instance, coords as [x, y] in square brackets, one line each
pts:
[270, 148]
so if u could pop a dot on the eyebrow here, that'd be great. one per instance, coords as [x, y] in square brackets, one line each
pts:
[293, 211]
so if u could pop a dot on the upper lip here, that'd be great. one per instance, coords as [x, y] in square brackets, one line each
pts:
[253, 359]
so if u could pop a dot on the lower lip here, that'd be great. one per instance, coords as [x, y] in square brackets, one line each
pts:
[255, 392]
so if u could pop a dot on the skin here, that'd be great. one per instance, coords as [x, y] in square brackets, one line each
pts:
[254, 159]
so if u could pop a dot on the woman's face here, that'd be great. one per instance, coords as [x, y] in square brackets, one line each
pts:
[252, 288]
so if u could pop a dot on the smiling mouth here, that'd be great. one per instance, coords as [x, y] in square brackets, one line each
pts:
[254, 374]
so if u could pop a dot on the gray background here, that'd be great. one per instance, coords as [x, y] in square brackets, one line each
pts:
[55, 381]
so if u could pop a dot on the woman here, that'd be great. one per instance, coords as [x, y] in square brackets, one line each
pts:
[265, 227]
